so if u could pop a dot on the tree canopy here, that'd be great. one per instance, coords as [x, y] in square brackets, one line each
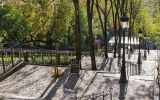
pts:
[44, 21]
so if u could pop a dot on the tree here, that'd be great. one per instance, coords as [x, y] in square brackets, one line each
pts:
[77, 31]
[89, 5]
[14, 25]
[103, 22]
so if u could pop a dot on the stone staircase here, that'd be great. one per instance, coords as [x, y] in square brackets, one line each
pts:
[83, 82]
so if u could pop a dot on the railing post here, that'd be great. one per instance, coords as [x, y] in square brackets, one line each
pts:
[51, 57]
[130, 69]
[3, 62]
[31, 53]
[11, 58]
[111, 93]
[103, 95]
[13, 54]
[25, 55]
[127, 67]
[135, 69]
[6, 55]
[42, 57]
[58, 57]
[20, 53]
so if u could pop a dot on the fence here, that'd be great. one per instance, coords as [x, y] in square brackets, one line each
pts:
[47, 57]
[40, 57]
[37, 56]
[9, 58]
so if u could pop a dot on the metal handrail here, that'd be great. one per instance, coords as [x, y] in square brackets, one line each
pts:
[96, 95]
[131, 65]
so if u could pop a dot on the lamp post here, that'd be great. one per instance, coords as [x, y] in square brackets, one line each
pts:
[124, 23]
[145, 55]
[139, 62]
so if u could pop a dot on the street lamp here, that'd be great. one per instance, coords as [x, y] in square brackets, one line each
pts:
[124, 23]
[139, 62]
[145, 55]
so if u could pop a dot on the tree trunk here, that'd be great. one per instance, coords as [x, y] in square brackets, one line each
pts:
[56, 59]
[115, 18]
[119, 42]
[105, 31]
[90, 32]
[103, 26]
[77, 32]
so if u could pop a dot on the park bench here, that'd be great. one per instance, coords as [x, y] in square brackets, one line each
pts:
[74, 65]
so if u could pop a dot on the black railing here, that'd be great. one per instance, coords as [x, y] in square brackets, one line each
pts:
[158, 66]
[105, 95]
[132, 68]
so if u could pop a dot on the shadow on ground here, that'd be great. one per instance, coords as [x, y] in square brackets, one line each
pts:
[66, 82]
[106, 63]
[158, 83]
[122, 91]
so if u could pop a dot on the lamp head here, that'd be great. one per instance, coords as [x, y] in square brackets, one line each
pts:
[124, 21]
[140, 31]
